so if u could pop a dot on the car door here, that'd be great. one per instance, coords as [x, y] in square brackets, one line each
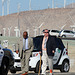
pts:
[56, 56]
[71, 33]
[1, 55]
[58, 50]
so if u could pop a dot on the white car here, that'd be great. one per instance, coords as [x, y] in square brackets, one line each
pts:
[54, 32]
[6, 60]
[66, 33]
[1, 54]
[61, 59]
[17, 63]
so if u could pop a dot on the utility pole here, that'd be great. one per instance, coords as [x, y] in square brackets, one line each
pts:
[35, 31]
[18, 18]
[4, 31]
[64, 3]
[72, 3]
[28, 31]
[3, 7]
[48, 6]
[40, 27]
[30, 5]
[52, 4]
[8, 1]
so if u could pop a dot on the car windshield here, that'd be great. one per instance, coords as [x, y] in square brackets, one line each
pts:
[59, 44]
[67, 31]
[56, 31]
[36, 42]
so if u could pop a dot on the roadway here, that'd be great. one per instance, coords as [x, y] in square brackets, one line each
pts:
[55, 73]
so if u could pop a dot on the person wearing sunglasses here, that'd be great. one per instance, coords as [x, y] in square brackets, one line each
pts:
[47, 50]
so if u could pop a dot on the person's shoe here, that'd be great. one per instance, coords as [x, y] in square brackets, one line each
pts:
[26, 73]
[23, 74]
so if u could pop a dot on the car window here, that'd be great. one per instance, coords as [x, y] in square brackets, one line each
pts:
[67, 31]
[56, 31]
[71, 32]
[36, 42]
[59, 44]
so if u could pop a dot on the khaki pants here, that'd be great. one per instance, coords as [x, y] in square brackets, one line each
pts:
[25, 62]
[46, 59]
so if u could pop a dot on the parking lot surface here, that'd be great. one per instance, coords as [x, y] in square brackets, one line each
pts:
[55, 73]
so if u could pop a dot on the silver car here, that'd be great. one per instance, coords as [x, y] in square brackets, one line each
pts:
[54, 32]
[66, 33]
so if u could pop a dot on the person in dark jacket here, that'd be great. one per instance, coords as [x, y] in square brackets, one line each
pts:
[47, 50]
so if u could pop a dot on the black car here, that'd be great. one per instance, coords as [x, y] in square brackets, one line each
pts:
[7, 61]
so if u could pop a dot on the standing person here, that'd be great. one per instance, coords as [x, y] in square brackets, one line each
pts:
[26, 47]
[47, 50]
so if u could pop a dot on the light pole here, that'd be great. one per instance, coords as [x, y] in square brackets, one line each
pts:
[18, 18]
[52, 4]
[35, 30]
[28, 31]
[4, 31]
[40, 27]
[8, 1]
[30, 5]
[64, 3]
[3, 7]
[72, 3]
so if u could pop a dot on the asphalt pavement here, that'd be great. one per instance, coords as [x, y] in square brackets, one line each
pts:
[55, 73]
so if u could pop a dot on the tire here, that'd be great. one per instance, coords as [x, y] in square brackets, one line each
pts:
[37, 67]
[65, 67]
[64, 36]
[4, 66]
[12, 71]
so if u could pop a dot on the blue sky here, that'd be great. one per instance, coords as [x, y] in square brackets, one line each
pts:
[35, 5]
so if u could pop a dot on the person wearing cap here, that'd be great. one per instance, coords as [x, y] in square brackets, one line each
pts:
[47, 50]
[25, 48]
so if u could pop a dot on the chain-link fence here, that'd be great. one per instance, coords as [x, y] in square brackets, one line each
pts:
[70, 44]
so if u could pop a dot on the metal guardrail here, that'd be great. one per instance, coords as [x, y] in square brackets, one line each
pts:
[67, 38]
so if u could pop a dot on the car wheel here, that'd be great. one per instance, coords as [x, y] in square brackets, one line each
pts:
[65, 67]
[37, 67]
[12, 71]
[63, 36]
[4, 66]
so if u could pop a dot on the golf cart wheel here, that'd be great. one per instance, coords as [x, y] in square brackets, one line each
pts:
[37, 67]
[4, 66]
[65, 67]
[12, 71]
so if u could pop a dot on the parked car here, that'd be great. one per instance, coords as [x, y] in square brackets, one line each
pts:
[1, 54]
[61, 59]
[54, 32]
[17, 63]
[6, 60]
[66, 33]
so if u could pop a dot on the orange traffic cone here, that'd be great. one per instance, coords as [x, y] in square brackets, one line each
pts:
[50, 72]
